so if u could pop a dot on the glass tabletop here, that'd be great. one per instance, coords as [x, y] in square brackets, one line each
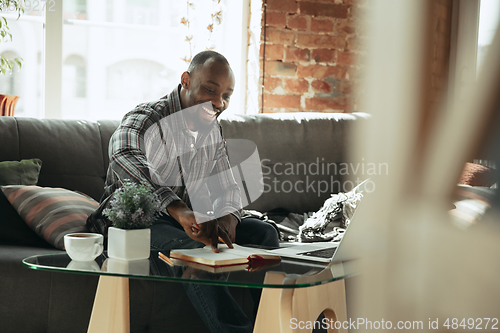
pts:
[285, 274]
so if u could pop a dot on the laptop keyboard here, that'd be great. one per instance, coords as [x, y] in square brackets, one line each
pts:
[323, 253]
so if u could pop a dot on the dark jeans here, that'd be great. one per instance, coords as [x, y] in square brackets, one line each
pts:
[215, 305]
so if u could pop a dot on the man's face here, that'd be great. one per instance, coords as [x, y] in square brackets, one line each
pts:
[213, 82]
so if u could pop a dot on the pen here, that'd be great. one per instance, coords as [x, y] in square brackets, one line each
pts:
[165, 259]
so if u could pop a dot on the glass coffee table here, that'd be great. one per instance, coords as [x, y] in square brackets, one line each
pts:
[293, 291]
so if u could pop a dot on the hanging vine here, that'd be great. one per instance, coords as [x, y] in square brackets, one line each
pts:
[216, 20]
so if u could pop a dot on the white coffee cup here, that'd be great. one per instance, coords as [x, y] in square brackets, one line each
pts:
[91, 266]
[83, 246]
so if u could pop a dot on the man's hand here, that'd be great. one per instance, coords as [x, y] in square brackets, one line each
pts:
[228, 224]
[212, 231]
[207, 232]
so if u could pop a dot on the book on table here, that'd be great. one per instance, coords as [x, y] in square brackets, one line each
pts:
[240, 257]
[224, 269]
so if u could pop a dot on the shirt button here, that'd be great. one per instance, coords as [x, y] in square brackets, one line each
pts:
[192, 145]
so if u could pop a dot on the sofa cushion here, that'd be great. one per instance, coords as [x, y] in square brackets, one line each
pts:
[51, 212]
[14, 230]
[477, 175]
[24, 172]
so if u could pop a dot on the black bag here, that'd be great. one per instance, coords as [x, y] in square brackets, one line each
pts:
[97, 222]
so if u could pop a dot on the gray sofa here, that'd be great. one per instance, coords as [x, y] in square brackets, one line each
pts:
[74, 156]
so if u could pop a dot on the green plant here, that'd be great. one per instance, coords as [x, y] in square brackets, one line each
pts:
[16, 6]
[133, 206]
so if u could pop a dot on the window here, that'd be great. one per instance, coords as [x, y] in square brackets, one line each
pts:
[489, 17]
[27, 38]
[75, 75]
[142, 12]
[10, 83]
[74, 89]
[123, 79]
[119, 53]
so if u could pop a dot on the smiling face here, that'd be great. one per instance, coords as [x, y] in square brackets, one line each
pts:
[211, 82]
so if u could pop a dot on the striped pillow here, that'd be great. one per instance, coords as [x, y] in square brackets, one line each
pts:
[51, 212]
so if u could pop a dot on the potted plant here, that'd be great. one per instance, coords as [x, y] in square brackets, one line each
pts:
[132, 209]
[8, 102]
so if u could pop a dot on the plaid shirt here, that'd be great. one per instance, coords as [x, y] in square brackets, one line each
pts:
[206, 158]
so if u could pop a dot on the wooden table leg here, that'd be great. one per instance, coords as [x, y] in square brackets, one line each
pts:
[287, 310]
[111, 311]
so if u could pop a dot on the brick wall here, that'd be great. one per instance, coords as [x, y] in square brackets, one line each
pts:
[311, 52]
[310, 55]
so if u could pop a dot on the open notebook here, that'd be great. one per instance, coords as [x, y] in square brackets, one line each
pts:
[240, 255]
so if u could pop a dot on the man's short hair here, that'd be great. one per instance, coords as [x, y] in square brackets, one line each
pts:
[200, 58]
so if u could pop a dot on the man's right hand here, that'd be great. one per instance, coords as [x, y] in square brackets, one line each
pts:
[207, 232]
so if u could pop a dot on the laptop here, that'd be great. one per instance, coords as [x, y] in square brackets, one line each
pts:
[327, 252]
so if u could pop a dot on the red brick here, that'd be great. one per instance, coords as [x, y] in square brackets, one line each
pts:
[293, 54]
[323, 55]
[277, 20]
[321, 86]
[353, 44]
[324, 41]
[285, 6]
[273, 51]
[323, 9]
[344, 87]
[280, 68]
[271, 83]
[345, 27]
[281, 101]
[296, 86]
[336, 111]
[297, 22]
[321, 72]
[279, 37]
[354, 73]
[323, 25]
[325, 103]
[346, 58]
[273, 110]
[282, 110]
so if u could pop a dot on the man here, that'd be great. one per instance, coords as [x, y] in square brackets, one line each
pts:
[198, 151]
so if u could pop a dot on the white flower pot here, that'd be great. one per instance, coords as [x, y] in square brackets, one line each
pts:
[129, 244]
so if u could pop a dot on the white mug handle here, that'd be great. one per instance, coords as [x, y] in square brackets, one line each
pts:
[98, 249]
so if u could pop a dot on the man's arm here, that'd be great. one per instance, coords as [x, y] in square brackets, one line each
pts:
[127, 154]
[225, 193]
